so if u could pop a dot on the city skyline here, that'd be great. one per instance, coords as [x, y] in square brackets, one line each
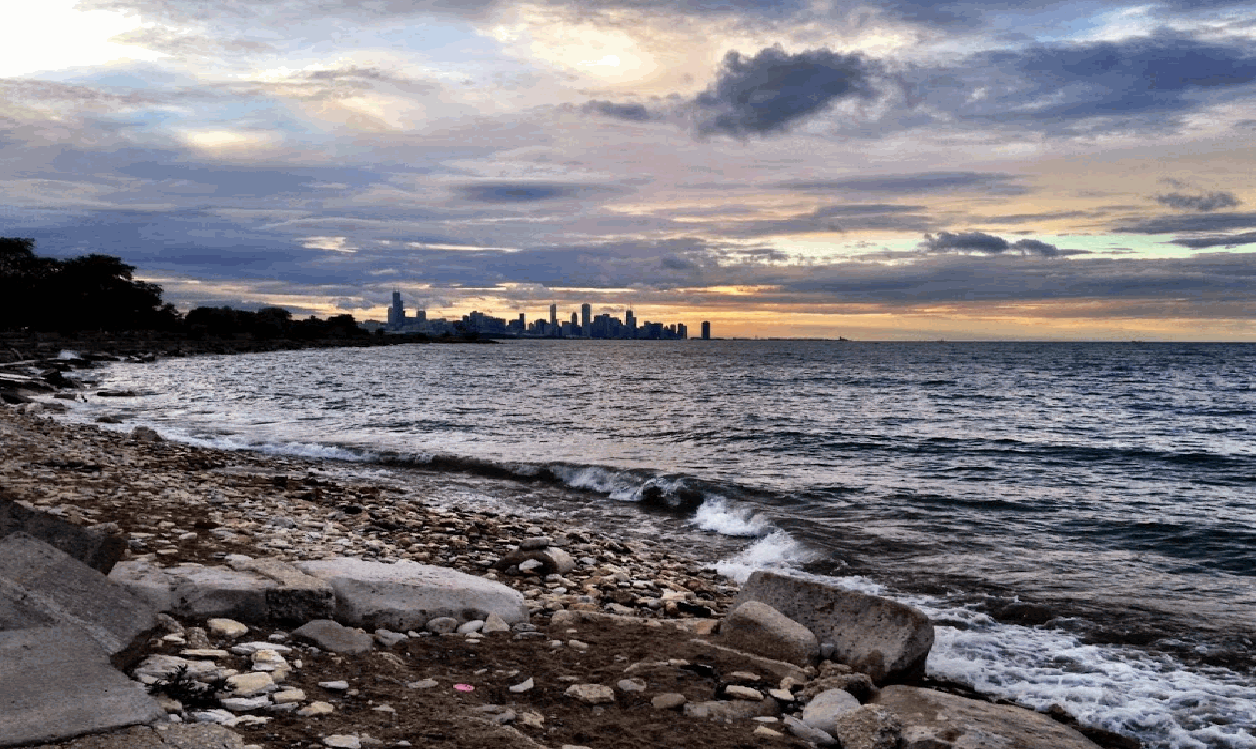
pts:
[879, 169]
[584, 324]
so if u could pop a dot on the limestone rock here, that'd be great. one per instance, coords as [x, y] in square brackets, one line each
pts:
[887, 640]
[731, 709]
[868, 727]
[405, 595]
[334, 637]
[958, 721]
[668, 701]
[591, 694]
[823, 711]
[549, 560]
[807, 733]
[758, 628]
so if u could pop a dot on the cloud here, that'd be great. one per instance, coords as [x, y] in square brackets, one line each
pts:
[1222, 240]
[529, 192]
[916, 184]
[1212, 222]
[773, 90]
[623, 111]
[988, 244]
[1138, 83]
[1204, 202]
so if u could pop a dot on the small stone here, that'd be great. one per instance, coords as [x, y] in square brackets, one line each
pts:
[334, 637]
[669, 701]
[827, 649]
[291, 694]
[539, 542]
[522, 686]
[441, 625]
[423, 684]
[268, 660]
[204, 653]
[227, 628]
[335, 686]
[784, 695]
[530, 565]
[466, 628]
[739, 692]
[495, 623]
[388, 639]
[315, 708]
[591, 694]
[244, 704]
[343, 741]
[767, 732]
[531, 720]
[579, 645]
[631, 686]
[251, 684]
[745, 677]
[220, 717]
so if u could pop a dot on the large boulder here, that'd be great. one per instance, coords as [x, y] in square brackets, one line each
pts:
[96, 548]
[939, 720]
[41, 586]
[885, 639]
[405, 595]
[758, 628]
[56, 683]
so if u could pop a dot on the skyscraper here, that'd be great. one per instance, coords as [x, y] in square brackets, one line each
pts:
[586, 318]
[706, 330]
[396, 313]
[553, 315]
[630, 322]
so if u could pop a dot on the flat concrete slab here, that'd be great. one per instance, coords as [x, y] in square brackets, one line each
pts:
[56, 683]
[97, 549]
[42, 586]
[256, 590]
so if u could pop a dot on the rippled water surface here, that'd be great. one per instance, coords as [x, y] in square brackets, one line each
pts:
[1114, 484]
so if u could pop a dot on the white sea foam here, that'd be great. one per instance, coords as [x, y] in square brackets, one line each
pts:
[777, 550]
[615, 484]
[1152, 697]
[719, 515]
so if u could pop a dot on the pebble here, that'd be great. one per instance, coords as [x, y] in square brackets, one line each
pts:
[251, 684]
[591, 694]
[669, 701]
[522, 686]
[342, 741]
[226, 628]
[315, 708]
[423, 684]
[739, 692]
[631, 686]
[335, 686]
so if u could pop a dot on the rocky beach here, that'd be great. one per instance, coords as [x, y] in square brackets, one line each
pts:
[254, 600]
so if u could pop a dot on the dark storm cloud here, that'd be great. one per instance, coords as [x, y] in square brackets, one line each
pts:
[917, 184]
[1224, 240]
[989, 244]
[1204, 202]
[529, 192]
[1211, 222]
[625, 111]
[1141, 82]
[772, 90]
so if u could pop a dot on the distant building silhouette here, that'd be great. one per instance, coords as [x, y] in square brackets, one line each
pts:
[706, 330]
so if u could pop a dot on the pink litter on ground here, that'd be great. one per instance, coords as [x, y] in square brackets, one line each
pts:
[463, 687]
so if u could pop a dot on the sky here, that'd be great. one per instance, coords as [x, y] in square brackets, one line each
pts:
[882, 170]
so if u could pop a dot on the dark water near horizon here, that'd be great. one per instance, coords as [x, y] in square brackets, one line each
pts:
[1112, 484]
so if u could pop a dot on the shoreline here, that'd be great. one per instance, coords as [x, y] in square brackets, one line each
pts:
[179, 503]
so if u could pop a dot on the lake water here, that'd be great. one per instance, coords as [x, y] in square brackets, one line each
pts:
[1111, 485]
